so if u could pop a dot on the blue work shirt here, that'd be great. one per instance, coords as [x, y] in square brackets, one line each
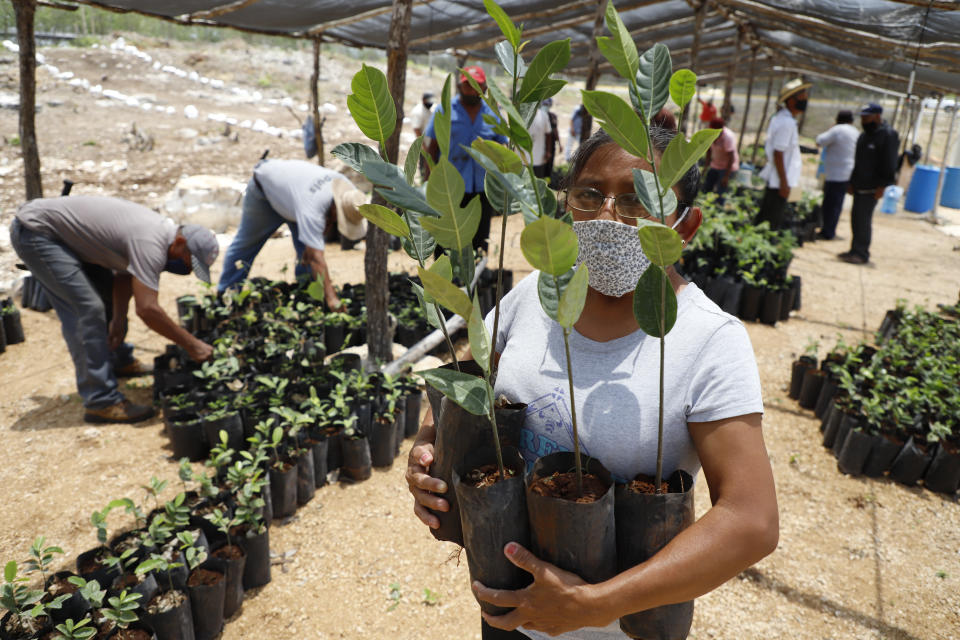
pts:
[463, 131]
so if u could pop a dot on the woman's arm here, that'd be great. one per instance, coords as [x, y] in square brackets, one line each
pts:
[741, 528]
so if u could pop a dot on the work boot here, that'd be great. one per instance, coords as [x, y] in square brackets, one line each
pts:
[133, 369]
[124, 412]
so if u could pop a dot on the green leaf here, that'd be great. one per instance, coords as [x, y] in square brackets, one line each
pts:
[520, 136]
[619, 49]
[683, 86]
[386, 219]
[504, 52]
[573, 298]
[505, 103]
[394, 187]
[653, 79]
[470, 392]
[661, 244]
[463, 262]
[446, 293]
[645, 185]
[371, 104]
[420, 244]
[430, 311]
[456, 226]
[441, 266]
[504, 159]
[549, 245]
[10, 571]
[441, 119]
[680, 155]
[618, 119]
[509, 30]
[412, 160]
[549, 290]
[537, 84]
[647, 307]
[354, 154]
[479, 337]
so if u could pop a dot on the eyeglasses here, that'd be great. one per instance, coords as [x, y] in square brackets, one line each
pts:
[626, 205]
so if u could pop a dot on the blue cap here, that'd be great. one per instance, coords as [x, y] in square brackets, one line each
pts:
[871, 108]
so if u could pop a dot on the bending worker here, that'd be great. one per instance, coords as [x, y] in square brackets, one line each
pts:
[62, 240]
[308, 198]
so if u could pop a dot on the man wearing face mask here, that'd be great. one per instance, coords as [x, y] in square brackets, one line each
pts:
[782, 171]
[62, 240]
[466, 125]
[874, 168]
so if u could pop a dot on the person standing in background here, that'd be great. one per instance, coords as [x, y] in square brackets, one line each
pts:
[783, 167]
[553, 137]
[874, 167]
[722, 160]
[839, 143]
[468, 121]
[540, 132]
[576, 128]
[419, 119]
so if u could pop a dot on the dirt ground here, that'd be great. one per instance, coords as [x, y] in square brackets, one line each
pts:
[857, 558]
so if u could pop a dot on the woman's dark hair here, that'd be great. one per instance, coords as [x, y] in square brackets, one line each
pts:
[689, 183]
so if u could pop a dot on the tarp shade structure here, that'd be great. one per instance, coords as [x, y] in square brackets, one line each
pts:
[873, 41]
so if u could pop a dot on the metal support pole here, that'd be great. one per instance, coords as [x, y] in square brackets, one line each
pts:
[933, 128]
[943, 169]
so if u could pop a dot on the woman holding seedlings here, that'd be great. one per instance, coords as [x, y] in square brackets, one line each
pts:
[712, 412]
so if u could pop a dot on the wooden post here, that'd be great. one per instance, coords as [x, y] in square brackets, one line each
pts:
[763, 122]
[746, 106]
[25, 10]
[378, 242]
[731, 73]
[701, 13]
[593, 75]
[315, 101]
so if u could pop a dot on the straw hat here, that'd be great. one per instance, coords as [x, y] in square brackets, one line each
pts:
[793, 86]
[347, 198]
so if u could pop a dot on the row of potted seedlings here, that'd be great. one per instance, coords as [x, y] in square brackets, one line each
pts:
[892, 409]
[11, 327]
[177, 574]
[267, 382]
[740, 265]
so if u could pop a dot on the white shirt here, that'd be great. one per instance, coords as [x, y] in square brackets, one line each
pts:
[538, 131]
[839, 144]
[782, 136]
[420, 117]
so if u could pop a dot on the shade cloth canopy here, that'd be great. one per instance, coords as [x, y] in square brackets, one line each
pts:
[878, 42]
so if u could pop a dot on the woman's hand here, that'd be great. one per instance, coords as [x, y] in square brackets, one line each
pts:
[558, 601]
[422, 486]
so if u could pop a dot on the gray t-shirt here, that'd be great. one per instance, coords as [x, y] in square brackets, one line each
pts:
[113, 233]
[710, 374]
[300, 192]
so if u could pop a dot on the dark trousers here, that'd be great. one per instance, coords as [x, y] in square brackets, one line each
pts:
[861, 223]
[773, 209]
[713, 182]
[833, 193]
[492, 633]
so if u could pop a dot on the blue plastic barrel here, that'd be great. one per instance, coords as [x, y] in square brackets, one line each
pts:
[923, 189]
[950, 196]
